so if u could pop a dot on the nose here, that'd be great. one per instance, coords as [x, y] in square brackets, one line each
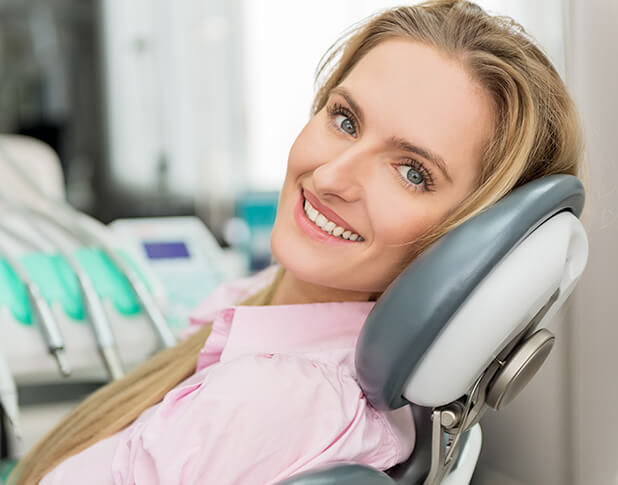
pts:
[343, 176]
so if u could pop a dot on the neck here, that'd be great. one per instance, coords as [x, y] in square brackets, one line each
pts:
[292, 291]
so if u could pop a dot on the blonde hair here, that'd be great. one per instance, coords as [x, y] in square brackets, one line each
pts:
[536, 133]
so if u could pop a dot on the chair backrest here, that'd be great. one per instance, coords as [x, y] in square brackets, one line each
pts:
[451, 312]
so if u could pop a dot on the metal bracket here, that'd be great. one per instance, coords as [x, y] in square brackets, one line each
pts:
[450, 422]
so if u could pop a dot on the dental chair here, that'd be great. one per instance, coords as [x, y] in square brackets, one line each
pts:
[462, 329]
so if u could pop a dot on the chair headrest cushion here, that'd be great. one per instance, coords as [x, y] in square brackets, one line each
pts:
[420, 302]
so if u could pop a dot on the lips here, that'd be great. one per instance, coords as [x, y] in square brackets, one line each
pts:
[326, 212]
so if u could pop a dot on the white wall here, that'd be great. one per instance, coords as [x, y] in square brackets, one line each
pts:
[561, 430]
[593, 76]
[529, 441]
[284, 41]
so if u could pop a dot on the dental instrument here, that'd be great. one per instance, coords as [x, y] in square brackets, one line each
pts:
[43, 316]
[104, 338]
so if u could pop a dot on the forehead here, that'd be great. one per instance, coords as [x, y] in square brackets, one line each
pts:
[412, 90]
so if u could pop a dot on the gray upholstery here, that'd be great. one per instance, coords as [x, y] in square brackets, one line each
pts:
[419, 303]
[414, 470]
[348, 474]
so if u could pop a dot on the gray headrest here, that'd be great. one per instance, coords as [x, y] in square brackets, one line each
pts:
[420, 302]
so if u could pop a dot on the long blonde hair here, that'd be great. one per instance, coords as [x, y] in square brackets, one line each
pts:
[537, 133]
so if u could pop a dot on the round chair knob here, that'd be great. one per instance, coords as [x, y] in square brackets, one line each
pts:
[520, 366]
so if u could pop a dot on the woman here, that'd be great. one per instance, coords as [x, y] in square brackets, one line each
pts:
[424, 116]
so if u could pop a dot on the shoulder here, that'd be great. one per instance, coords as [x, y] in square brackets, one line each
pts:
[301, 407]
[262, 416]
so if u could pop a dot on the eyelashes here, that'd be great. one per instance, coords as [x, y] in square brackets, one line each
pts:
[413, 165]
[339, 110]
[407, 164]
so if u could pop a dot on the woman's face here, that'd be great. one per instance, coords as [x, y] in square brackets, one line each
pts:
[396, 148]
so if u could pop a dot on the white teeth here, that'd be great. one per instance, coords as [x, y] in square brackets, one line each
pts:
[312, 214]
[329, 226]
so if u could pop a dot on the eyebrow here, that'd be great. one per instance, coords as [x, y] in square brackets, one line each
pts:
[394, 141]
[401, 144]
[348, 97]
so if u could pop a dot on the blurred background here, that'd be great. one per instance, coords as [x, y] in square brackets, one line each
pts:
[189, 107]
[173, 108]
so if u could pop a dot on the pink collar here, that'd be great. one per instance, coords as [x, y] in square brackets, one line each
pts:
[294, 328]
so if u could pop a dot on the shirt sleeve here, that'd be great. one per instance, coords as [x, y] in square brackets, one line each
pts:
[265, 429]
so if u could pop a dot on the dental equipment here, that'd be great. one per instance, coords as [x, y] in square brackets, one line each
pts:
[183, 255]
[42, 314]
[89, 230]
[8, 397]
[104, 338]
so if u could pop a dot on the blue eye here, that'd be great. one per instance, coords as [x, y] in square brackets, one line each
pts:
[346, 124]
[415, 176]
[411, 174]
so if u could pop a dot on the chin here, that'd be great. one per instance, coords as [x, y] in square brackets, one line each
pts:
[290, 254]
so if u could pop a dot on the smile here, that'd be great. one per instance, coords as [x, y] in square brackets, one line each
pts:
[329, 227]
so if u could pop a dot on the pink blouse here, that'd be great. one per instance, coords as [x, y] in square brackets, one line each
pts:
[274, 394]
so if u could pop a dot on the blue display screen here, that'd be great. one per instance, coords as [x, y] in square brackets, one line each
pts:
[166, 250]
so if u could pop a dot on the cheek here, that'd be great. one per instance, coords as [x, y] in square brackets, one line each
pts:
[400, 219]
[310, 149]
[298, 164]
